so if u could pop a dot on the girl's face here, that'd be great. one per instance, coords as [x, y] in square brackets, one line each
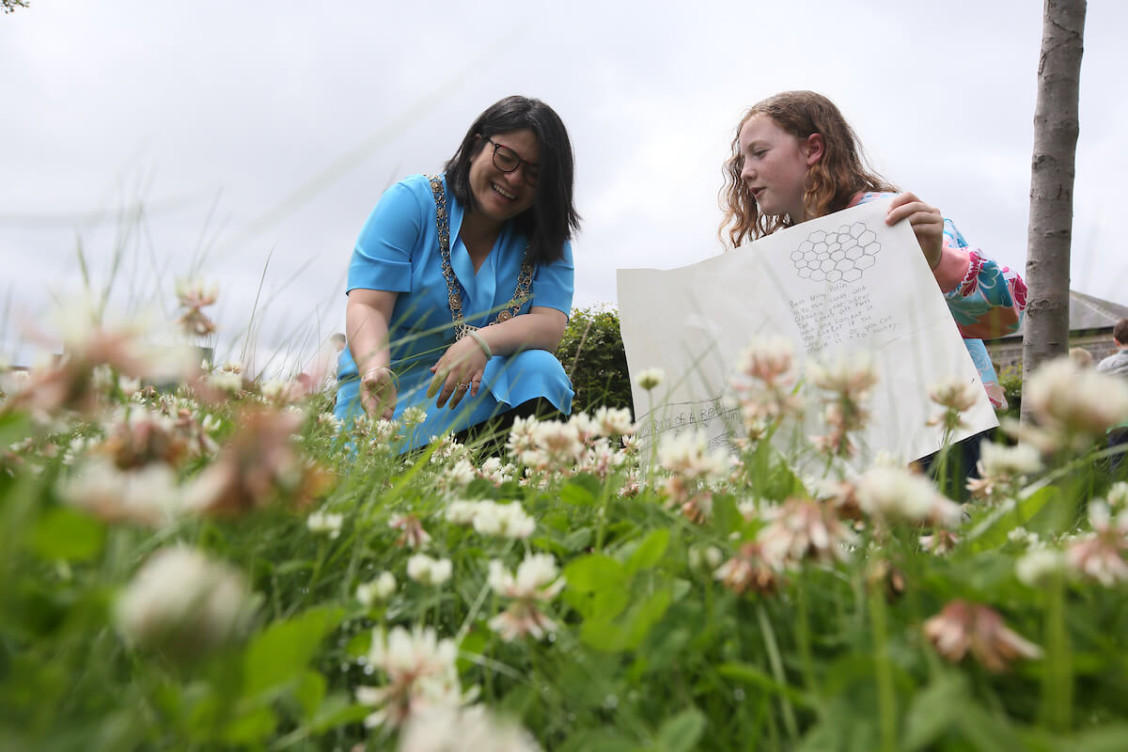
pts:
[499, 195]
[775, 166]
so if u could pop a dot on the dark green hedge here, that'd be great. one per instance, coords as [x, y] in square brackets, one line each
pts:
[593, 356]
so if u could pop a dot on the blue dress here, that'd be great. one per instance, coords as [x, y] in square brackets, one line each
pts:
[398, 251]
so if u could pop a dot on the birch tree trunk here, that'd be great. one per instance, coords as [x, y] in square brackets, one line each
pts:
[1051, 184]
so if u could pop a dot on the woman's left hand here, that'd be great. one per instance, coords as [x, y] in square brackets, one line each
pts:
[926, 221]
[458, 373]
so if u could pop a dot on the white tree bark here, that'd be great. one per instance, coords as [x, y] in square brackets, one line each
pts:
[1051, 184]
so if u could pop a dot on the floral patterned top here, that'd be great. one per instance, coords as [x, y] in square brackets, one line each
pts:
[986, 299]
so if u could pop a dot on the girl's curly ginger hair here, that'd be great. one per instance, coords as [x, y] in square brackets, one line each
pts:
[832, 182]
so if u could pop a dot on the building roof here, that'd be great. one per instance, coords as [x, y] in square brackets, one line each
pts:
[1088, 314]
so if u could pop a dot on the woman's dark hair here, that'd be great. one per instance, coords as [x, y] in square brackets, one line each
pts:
[552, 218]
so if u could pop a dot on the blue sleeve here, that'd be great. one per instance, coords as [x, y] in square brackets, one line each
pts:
[552, 284]
[382, 257]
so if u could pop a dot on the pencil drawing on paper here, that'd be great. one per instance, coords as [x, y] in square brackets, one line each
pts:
[840, 256]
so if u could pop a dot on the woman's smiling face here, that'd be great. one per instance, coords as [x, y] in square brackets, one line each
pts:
[498, 195]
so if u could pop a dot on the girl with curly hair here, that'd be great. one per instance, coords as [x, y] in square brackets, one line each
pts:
[795, 157]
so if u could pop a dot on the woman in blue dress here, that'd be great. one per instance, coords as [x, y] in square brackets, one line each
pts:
[460, 284]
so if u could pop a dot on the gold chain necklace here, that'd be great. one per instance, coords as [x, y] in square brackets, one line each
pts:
[454, 294]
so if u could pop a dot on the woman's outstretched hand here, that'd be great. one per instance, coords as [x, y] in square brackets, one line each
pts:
[378, 392]
[926, 221]
[458, 373]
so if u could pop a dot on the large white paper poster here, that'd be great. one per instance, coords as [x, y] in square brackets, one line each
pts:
[843, 284]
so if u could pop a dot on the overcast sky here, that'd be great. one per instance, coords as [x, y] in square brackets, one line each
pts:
[246, 142]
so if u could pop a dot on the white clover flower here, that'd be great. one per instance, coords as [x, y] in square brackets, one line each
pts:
[1023, 536]
[77, 449]
[461, 511]
[956, 396]
[451, 729]
[1100, 554]
[748, 509]
[899, 495]
[170, 363]
[537, 581]
[651, 378]
[1001, 461]
[896, 493]
[80, 320]
[850, 376]
[753, 568]
[688, 455]
[103, 378]
[427, 571]
[586, 426]
[1118, 495]
[282, 391]
[537, 577]
[1075, 401]
[803, 529]
[329, 419]
[447, 449]
[460, 475]
[417, 652]
[496, 471]
[632, 485]
[534, 459]
[195, 293]
[521, 437]
[413, 416]
[848, 382]
[274, 388]
[183, 604]
[1039, 566]
[149, 496]
[128, 386]
[707, 557]
[767, 358]
[560, 444]
[503, 520]
[376, 432]
[379, 589]
[225, 381]
[939, 542]
[600, 459]
[963, 627]
[14, 382]
[325, 522]
[421, 674]
[411, 528]
[614, 422]
[211, 424]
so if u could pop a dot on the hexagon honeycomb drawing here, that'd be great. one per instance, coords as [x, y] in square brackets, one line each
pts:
[840, 256]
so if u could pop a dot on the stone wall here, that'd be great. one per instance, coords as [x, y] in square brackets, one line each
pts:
[1008, 352]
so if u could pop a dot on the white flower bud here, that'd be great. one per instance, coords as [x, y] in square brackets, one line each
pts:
[183, 604]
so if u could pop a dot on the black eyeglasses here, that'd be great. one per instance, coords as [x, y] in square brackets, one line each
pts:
[506, 160]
